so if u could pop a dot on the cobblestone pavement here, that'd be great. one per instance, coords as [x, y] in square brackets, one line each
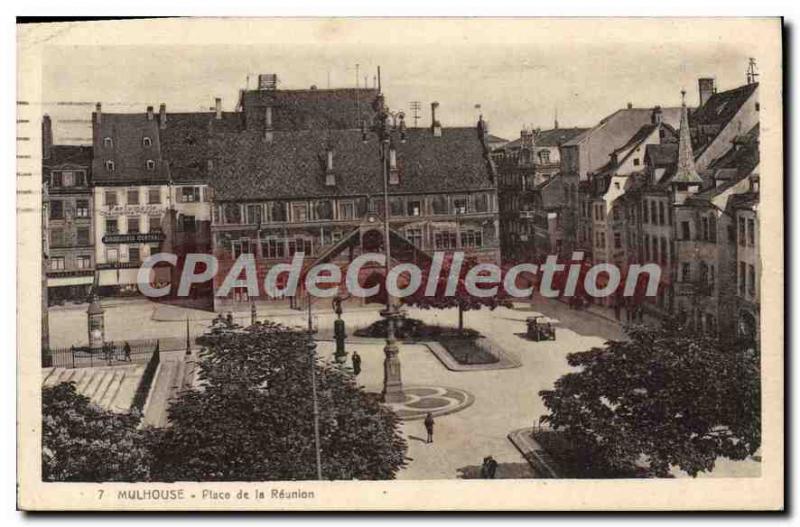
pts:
[505, 400]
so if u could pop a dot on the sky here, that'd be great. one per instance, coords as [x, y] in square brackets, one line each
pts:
[520, 72]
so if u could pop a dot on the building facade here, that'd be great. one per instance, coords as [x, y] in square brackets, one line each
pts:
[66, 171]
[533, 197]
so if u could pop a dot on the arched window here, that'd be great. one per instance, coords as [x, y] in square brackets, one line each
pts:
[147, 142]
[108, 142]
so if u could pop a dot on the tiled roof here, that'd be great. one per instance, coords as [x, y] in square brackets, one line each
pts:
[708, 120]
[662, 155]
[626, 118]
[292, 165]
[721, 107]
[69, 154]
[642, 134]
[745, 200]
[127, 133]
[186, 142]
[341, 108]
[743, 156]
[714, 189]
[495, 139]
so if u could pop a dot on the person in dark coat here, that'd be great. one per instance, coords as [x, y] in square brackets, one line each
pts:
[491, 467]
[429, 427]
[356, 363]
[126, 349]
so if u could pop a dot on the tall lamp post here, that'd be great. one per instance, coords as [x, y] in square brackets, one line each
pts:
[392, 379]
[312, 353]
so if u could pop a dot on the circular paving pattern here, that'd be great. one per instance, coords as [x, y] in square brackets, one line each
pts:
[438, 400]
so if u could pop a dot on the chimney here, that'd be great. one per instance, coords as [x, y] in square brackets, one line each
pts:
[149, 113]
[630, 105]
[162, 115]
[526, 137]
[402, 127]
[436, 126]
[98, 112]
[217, 108]
[706, 89]
[657, 115]
[47, 136]
[483, 129]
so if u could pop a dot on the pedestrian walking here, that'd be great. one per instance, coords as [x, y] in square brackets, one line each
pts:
[429, 427]
[356, 363]
[491, 467]
[484, 468]
[126, 349]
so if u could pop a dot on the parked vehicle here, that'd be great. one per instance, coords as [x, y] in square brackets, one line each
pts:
[539, 330]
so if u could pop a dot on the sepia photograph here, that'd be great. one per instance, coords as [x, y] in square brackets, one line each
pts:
[373, 264]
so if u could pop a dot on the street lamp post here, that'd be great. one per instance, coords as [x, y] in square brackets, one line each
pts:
[312, 352]
[392, 379]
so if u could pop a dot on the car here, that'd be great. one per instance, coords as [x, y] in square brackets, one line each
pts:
[539, 330]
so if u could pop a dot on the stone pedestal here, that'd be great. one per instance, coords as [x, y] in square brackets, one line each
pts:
[392, 378]
[96, 324]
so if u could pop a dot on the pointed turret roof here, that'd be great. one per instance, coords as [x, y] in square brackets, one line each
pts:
[685, 172]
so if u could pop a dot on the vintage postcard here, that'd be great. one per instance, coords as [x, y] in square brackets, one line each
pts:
[400, 264]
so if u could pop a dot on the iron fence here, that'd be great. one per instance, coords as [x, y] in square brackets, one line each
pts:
[112, 353]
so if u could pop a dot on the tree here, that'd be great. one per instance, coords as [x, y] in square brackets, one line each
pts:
[668, 396]
[252, 420]
[82, 442]
[463, 300]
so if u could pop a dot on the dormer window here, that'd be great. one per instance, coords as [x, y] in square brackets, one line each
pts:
[147, 142]
[544, 156]
[110, 166]
[151, 165]
[108, 142]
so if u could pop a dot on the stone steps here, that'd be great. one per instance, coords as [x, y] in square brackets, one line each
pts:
[111, 387]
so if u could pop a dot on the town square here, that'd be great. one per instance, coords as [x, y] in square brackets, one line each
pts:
[326, 266]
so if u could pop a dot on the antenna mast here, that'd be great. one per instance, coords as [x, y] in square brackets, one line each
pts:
[752, 74]
[415, 107]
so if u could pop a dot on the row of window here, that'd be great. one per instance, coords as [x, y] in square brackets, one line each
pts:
[656, 249]
[656, 212]
[59, 212]
[59, 238]
[280, 246]
[322, 210]
[149, 164]
[708, 274]
[111, 197]
[108, 142]
[706, 231]
[134, 225]
[58, 263]
[134, 253]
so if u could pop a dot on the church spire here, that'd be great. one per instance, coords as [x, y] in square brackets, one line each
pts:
[686, 171]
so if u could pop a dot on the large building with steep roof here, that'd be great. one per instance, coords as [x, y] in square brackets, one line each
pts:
[321, 192]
